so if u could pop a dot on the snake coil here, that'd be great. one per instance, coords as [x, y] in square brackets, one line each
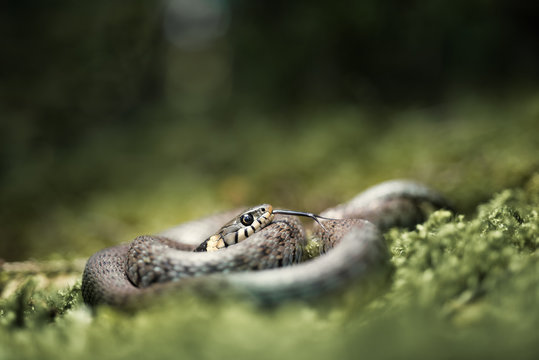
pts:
[265, 262]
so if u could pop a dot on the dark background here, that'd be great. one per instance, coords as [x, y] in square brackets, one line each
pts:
[99, 96]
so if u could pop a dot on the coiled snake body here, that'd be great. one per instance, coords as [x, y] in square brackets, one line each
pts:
[268, 265]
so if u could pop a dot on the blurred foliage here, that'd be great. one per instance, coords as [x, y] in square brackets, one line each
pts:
[114, 187]
[110, 127]
[309, 52]
[71, 68]
[462, 287]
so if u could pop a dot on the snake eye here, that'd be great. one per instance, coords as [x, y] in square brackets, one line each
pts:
[246, 219]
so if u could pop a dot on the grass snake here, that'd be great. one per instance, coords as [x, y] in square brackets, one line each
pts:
[266, 260]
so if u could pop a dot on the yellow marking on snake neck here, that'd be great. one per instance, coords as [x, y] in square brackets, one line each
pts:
[215, 242]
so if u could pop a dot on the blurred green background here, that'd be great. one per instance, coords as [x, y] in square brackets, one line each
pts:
[119, 119]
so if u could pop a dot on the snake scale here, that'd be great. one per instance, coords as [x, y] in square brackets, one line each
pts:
[267, 265]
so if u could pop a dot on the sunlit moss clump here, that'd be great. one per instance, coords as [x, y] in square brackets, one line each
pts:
[461, 287]
[463, 267]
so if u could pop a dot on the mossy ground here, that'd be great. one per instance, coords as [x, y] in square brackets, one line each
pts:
[464, 284]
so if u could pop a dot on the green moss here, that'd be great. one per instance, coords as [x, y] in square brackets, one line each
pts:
[451, 263]
[461, 287]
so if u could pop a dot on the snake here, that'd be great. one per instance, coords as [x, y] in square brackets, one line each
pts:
[260, 252]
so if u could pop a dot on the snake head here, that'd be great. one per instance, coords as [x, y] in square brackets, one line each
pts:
[239, 228]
